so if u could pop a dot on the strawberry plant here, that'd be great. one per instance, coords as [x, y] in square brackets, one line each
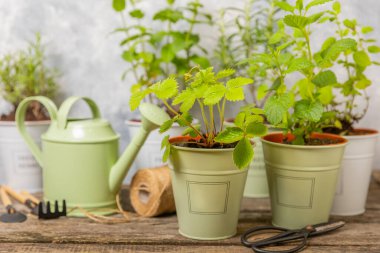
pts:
[156, 53]
[300, 109]
[210, 91]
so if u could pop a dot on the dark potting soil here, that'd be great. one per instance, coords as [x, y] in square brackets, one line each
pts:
[35, 112]
[195, 145]
[316, 142]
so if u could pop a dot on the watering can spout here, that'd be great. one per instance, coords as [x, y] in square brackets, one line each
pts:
[152, 117]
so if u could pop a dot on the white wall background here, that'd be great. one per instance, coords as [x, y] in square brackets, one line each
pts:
[78, 42]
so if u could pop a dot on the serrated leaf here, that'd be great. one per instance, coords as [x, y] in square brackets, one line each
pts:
[328, 42]
[168, 15]
[235, 94]
[276, 38]
[325, 78]
[214, 94]
[276, 106]
[239, 119]
[137, 14]
[186, 98]
[230, 135]
[166, 126]
[362, 59]
[225, 73]
[165, 142]
[338, 47]
[336, 7]
[118, 5]
[374, 49]
[299, 4]
[185, 119]
[308, 110]
[243, 153]
[326, 95]
[165, 89]
[284, 6]
[190, 131]
[238, 82]
[136, 99]
[349, 24]
[166, 154]
[296, 21]
[299, 64]
[256, 129]
[316, 2]
[261, 92]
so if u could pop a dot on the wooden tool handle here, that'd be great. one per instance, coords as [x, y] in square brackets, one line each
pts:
[30, 196]
[4, 197]
[14, 194]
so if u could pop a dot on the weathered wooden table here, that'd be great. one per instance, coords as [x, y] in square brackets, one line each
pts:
[361, 233]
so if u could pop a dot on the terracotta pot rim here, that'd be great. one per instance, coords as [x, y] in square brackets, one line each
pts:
[370, 132]
[343, 142]
[177, 139]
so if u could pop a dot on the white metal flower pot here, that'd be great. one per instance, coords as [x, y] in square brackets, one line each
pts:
[355, 175]
[18, 168]
[150, 155]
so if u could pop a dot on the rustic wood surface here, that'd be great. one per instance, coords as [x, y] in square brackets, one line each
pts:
[361, 233]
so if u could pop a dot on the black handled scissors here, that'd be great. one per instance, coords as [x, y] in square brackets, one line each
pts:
[285, 236]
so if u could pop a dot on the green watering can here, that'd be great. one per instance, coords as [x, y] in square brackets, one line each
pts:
[79, 157]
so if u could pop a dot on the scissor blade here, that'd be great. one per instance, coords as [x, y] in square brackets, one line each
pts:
[327, 227]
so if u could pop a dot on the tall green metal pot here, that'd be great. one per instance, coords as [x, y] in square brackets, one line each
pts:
[302, 179]
[208, 189]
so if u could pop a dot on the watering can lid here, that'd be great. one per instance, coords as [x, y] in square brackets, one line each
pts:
[81, 131]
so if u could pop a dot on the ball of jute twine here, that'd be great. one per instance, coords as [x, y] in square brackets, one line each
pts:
[151, 192]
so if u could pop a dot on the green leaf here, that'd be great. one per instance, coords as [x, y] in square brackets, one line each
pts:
[225, 73]
[316, 2]
[299, 4]
[338, 47]
[285, 6]
[276, 38]
[276, 107]
[325, 78]
[235, 94]
[167, 53]
[201, 61]
[363, 84]
[299, 64]
[243, 153]
[296, 21]
[238, 82]
[186, 98]
[326, 95]
[166, 125]
[137, 14]
[168, 15]
[367, 29]
[374, 49]
[315, 17]
[256, 129]
[118, 5]
[230, 135]
[190, 131]
[308, 110]
[362, 59]
[136, 99]
[128, 55]
[185, 119]
[349, 24]
[166, 154]
[214, 94]
[165, 142]
[165, 89]
[262, 91]
[276, 84]
[336, 7]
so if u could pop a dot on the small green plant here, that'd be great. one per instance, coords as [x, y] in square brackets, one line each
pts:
[24, 74]
[300, 109]
[157, 53]
[244, 32]
[355, 83]
[210, 91]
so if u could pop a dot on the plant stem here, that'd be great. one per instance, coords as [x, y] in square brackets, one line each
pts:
[205, 120]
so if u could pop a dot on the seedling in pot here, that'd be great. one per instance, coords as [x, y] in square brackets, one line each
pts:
[210, 91]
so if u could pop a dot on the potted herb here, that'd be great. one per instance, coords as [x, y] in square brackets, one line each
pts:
[156, 47]
[208, 164]
[302, 164]
[346, 111]
[244, 32]
[23, 74]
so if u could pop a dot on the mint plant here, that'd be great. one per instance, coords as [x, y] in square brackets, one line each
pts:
[244, 32]
[210, 91]
[154, 54]
[24, 74]
[355, 83]
[300, 109]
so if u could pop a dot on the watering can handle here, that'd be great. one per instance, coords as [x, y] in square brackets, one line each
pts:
[20, 119]
[66, 106]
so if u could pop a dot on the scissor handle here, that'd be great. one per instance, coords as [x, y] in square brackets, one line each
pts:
[283, 237]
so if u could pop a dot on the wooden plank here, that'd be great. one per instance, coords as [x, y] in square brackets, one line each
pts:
[60, 248]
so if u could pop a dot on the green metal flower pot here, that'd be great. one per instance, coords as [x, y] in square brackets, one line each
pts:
[302, 179]
[208, 189]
